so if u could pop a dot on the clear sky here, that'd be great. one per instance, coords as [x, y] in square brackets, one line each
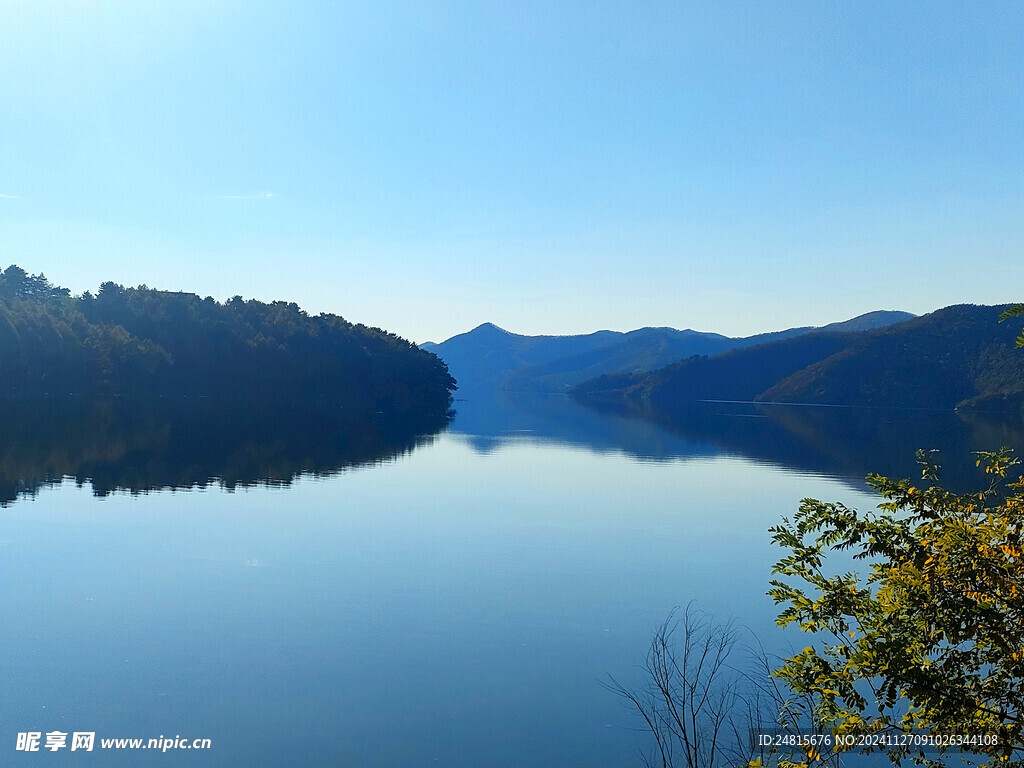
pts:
[550, 166]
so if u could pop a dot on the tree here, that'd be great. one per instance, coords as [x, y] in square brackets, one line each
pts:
[704, 705]
[933, 639]
[1015, 311]
[146, 341]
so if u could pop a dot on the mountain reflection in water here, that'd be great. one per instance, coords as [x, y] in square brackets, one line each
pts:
[141, 445]
[842, 443]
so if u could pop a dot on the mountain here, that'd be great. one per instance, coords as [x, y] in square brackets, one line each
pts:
[485, 356]
[739, 374]
[142, 341]
[878, 319]
[640, 350]
[960, 356]
[490, 358]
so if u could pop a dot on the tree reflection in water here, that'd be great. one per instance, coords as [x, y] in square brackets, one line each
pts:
[140, 445]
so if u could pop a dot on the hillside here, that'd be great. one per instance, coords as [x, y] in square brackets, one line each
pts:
[490, 358]
[739, 374]
[641, 350]
[150, 342]
[959, 356]
[485, 356]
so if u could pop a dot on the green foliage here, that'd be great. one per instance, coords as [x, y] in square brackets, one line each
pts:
[15, 282]
[144, 341]
[933, 639]
[1014, 311]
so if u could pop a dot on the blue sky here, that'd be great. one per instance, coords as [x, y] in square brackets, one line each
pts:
[553, 167]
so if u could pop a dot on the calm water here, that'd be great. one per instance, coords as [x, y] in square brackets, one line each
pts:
[389, 599]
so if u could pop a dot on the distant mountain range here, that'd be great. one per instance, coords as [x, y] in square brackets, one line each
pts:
[960, 356]
[490, 358]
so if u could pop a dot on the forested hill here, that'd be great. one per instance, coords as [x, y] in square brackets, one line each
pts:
[145, 341]
[739, 374]
[957, 356]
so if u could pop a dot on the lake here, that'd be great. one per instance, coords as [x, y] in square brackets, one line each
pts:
[303, 590]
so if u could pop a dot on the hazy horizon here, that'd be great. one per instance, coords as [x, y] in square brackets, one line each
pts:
[549, 167]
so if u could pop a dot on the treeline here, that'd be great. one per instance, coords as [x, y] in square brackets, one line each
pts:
[145, 341]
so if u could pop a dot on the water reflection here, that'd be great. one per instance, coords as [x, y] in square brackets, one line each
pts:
[842, 443]
[140, 445]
